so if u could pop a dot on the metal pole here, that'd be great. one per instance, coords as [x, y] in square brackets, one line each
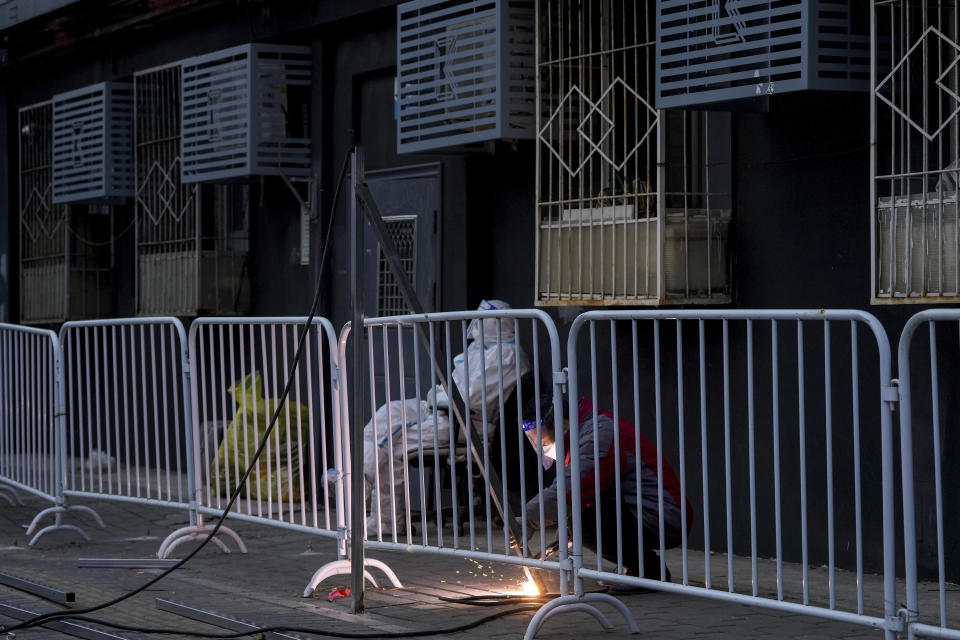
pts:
[357, 519]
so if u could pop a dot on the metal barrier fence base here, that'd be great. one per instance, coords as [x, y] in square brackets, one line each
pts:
[11, 496]
[569, 603]
[342, 567]
[58, 525]
[196, 532]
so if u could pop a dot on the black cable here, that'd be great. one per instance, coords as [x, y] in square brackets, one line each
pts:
[317, 632]
[46, 617]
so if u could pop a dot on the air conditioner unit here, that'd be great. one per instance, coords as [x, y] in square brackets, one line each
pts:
[723, 50]
[246, 112]
[466, 72]
[93, 143]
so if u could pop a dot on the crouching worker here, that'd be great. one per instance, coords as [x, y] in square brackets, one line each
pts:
[644, 518]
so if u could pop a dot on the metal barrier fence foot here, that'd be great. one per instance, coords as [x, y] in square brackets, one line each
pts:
[58, 523]
[11, 496]
[391, 576]
[196, 532]
[90, 512]
[336, 568]
[573, 603]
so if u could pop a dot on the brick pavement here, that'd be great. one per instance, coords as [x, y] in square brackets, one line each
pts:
[265, 586]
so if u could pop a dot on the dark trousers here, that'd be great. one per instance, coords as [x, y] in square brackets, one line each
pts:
[608, 539]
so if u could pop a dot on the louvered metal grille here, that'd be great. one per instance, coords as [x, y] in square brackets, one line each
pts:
[632, 203]
[721, 50]
[465, 72]
[246, 112]
[191, 239]
[92, 143]
[917, 153]
[403, 232]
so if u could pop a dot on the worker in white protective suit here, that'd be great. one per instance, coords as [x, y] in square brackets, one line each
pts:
[403, 426]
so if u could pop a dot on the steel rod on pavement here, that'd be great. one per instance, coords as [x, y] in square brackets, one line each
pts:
[37, 589]
[126, 563]
[63, 626]
[217, 619]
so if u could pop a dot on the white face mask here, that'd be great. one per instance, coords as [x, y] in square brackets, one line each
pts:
[548, 455]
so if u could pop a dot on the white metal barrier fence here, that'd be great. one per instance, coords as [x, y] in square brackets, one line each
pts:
[240, 367]
[128, 415]
[413, 426]
[31, 423]
[763, 393]
[926, 446]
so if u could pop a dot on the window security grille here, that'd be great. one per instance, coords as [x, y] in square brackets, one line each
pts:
[633, 203]
[403, 232]
[721, 50]
[465, 72]
[246, 112]
[192, 240]
[92, 151]
[916, 165]
[66, 252]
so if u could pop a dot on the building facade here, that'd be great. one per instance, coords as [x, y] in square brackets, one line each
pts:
[162, 156]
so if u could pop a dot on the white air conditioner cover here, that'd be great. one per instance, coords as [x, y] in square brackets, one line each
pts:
[93, 143]
[245, 112]
[465, 72]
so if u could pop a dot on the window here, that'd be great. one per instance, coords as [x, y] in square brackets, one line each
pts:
[916, 165]
[66, 251]
[403, 232]
[192, 240]
[633, 202]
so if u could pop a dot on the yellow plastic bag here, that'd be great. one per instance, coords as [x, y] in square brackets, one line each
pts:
[277, 473]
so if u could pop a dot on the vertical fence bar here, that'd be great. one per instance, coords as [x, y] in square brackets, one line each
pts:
[858, 503]
[708, 577]
[681, 437]
[802, 446]
[614, 367]
[753, 487]
[726, 452]
[938, 482]
[775, 367]
[828, 432]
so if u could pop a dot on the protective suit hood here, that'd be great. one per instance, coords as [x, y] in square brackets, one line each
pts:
[507, 325]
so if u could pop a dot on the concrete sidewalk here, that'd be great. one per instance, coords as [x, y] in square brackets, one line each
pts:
[265, 587]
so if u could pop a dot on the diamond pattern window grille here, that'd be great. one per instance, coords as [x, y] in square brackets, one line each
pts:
[191, 238]
[465, 72]
[633, 203]
[66, 251]
[246, 112]
[915, 223]
[92, 143]
[403, 232]
[722, 50]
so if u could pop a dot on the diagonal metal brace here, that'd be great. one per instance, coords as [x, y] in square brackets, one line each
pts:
[372, 213]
